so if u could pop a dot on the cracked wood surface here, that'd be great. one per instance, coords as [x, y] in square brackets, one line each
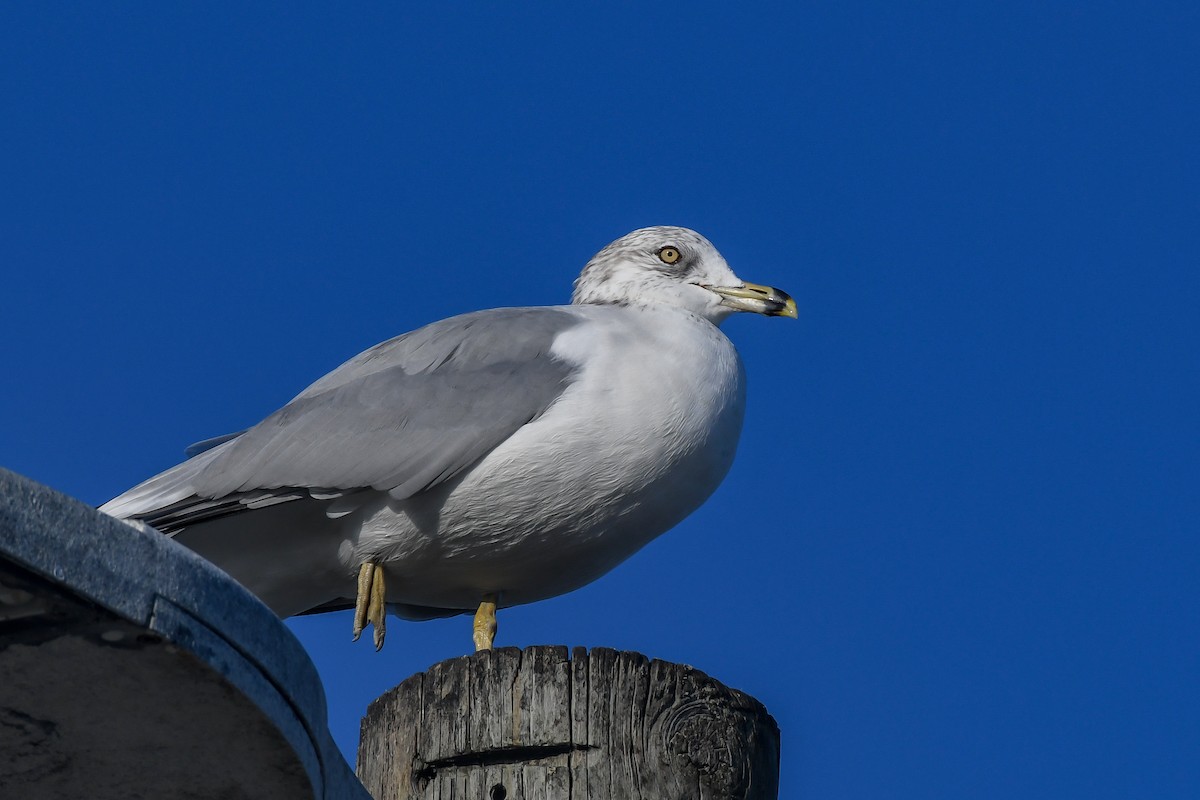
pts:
[531, 724]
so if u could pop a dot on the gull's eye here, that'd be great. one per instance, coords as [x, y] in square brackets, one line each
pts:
[669, 255]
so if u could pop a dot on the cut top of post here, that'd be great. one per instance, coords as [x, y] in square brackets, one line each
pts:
[532, 723]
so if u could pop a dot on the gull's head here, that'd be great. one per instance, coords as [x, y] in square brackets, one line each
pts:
[674, 266]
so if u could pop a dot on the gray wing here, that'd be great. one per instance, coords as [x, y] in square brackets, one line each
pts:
[400, 417]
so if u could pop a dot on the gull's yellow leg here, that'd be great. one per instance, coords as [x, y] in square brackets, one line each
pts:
[370, 605]
[377, 613]
[365, 573]
[485, 623]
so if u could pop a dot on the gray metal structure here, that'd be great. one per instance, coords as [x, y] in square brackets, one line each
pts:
[131, 667]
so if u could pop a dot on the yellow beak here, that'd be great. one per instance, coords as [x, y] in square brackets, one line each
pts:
[759, 299]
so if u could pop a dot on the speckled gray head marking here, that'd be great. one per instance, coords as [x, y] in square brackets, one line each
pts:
[645, 245]
[663, 264]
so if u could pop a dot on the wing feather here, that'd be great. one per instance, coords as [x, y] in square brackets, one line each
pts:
[400, 417]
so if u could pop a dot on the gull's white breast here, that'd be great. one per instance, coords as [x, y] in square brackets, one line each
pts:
[642, 436]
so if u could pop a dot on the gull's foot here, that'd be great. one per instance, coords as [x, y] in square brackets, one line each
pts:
[485, 623]
[369, 605]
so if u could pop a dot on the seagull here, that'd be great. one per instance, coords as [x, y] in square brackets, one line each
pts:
[487, 460]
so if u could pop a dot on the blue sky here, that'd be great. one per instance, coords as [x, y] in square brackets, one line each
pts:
[957, 554]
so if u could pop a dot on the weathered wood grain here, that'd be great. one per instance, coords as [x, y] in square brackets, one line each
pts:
[508, 724]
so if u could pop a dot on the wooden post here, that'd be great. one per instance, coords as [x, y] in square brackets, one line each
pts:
[530, 724]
